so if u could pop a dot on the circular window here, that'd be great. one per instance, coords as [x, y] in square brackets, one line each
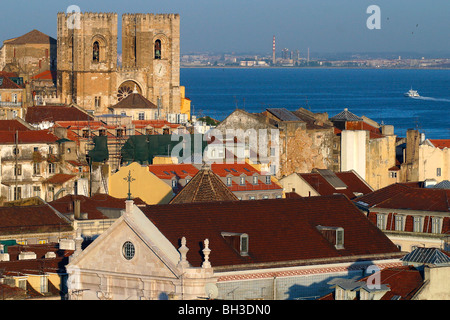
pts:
[128, 250]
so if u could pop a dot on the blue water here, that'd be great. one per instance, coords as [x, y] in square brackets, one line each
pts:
[374, 93]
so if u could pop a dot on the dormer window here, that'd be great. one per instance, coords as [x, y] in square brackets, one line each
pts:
[229, 181]
[255, 180]
[335, 235]
[244, 244]
[268, 180]
[238, 241]
[242, 181]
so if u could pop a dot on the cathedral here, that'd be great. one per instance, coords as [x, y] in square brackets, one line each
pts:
[90, 74]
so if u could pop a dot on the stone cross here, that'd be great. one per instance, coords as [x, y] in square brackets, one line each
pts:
[129, 179]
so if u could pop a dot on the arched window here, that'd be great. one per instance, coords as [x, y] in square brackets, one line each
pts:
[96, 52]
[158, 49]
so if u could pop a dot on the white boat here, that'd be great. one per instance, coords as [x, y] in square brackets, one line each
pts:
[412, 93]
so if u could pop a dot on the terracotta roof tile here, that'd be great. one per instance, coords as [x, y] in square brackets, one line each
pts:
[59, 178]
[134, 101]
[354, 184]
[403, 282]
[27, 137]
[12, 125]
[167, 171]
[91, 205]
[205, 186]
[32, 37]
[401, 196]
[38, 114]
[279, 230]
[7, 83]
[441, 143]
[45, 75]
[31, 219]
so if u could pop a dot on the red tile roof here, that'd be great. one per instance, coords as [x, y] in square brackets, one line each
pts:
[31, 219]
[401, 196]
[382, 194]
[27, 137]
[403, 282]
[139, 124]
[59, 178]
[46, 75]
[261, 185]
[90, 205]
[279, 230]
[32, 37]
[12, 125]
[38, 114]
[441, 143]
[168, 171]
[234, 169]
[205, 186]
[134, 101]
[6, 83]
[354, 184]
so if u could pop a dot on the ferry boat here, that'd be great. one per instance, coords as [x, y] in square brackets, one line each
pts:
[412, 93]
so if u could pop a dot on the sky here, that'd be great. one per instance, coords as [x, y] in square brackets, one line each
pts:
[248, 26]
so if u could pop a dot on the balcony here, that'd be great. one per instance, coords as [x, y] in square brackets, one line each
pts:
[10, 104]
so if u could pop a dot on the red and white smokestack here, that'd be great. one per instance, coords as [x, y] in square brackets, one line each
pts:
[273, 51]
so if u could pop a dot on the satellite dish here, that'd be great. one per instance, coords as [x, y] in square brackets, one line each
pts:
[211, 291]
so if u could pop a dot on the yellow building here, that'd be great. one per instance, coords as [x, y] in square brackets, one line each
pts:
[144, 185]
[185, 103]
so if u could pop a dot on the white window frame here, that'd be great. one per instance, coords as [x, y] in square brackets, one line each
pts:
[418, 224]
[243, 244]
[36, 168]
[436, 225]
[44, 284]
[399, 222]
[381, 221]
[36, 191]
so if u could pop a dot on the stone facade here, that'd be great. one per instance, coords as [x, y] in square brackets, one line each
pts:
[137, 263]
[300, 147]
[422, 160]
[88, 72]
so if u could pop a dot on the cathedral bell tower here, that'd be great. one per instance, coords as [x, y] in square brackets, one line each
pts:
[151, 55]
[87, 59]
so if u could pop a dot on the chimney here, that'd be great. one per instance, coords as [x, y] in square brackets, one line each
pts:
[77, 209]
[3, 256]
[27, 255]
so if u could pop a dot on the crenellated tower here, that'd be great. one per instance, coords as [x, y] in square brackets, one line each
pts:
[87, 59]
[151, 45]
[88, 71]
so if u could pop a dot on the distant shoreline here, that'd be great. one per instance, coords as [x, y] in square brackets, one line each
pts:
[327, 67]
